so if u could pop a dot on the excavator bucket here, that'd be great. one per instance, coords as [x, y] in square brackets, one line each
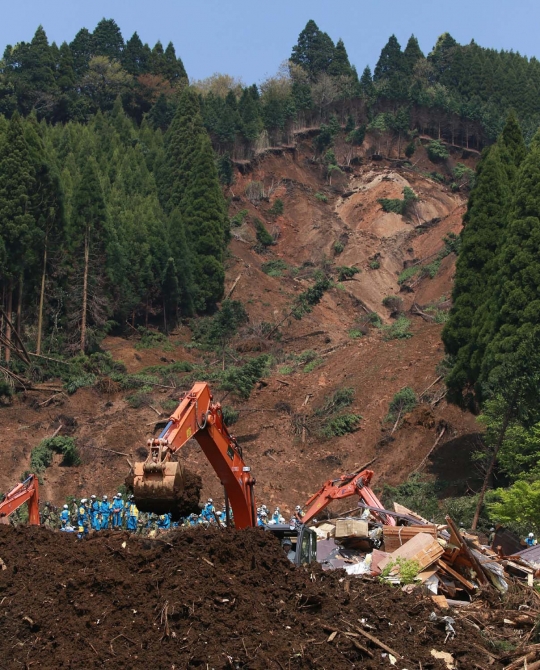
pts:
[158, 488]
[165, 486]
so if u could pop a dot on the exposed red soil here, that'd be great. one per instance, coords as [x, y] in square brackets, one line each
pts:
[206, 599]
[287, 470]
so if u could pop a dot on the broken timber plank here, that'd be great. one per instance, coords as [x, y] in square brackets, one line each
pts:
[422, 548]
[466, 583]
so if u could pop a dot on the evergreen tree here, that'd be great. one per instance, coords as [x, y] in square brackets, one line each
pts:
[412, 54]
[512, 140]
[518, 303]
[477, 262]
[89, 238]
[340, 65]
[108, 40]
[83, 49]
[314, 50]
[65, 75]
[366, 83]
[248, 108]
[135, 56]
[391, 63]
[38, 64]
[172, 67]
[17, 222]
[183, 264]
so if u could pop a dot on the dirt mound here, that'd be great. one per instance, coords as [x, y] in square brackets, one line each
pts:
[203, 598]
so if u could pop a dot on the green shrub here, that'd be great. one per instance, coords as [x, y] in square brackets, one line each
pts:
[338, 247]
[355, 334]
[408, 273]
[151, 338]
[230, 415]
[169, 405]
[410, 149]
[407, 569]
[42, 455]
[263, 236]
[238, 219]
[82, 381]
[398, 330]
[140, 399]
[393, 302]
[241, 379]
[403, 402]
[394, 205]
[374, 319]
[345, 272]
[274, 268]
[356, 137]
[286, 369]
[374, 265]
[464, 176]
[277, 208]
[340, 399]
[437, 151]
[341, 425]
[431, 269]
[321, 197]
[312, 365]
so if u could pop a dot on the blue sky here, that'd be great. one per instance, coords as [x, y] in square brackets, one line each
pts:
[250, 38]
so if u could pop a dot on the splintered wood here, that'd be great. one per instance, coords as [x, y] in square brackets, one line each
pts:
[397, 536]
[421, 548]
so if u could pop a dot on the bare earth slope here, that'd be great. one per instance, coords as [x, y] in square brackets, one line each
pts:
[289, 469]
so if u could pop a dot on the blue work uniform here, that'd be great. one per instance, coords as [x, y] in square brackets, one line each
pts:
[164, 522]
[133, 516]
[117, 508]
[95, 514]
[82, 521]
[64, 517]
[105, 510]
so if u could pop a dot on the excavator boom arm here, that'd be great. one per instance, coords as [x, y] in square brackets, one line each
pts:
[344, 487]
[27, 491]
[198, 417]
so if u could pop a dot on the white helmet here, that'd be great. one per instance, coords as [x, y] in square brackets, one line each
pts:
[210, 500]
[92, 497]
[298, 508]
[531, 534]
[83, 500]
[104, 497]
[118, 495]
[66, 507]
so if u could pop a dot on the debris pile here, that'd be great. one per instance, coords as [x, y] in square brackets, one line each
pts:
[213, 598]
[452, 564]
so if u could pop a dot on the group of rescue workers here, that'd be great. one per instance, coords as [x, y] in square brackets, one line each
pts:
[121, 513]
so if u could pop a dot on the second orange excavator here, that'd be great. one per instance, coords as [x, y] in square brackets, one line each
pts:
[25, 492]
[355, 484]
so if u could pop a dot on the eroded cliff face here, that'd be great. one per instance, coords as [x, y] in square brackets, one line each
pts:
[280, 439]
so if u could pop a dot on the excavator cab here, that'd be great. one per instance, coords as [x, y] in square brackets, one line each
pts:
[304, 542]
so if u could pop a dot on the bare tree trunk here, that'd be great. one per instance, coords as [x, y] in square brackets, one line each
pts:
[19, 305]
[41, 300]
[491, 466]
[165, 317]
[85, 291]
[9, 313]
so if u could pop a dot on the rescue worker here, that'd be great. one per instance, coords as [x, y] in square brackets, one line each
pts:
[64, 517]
[82, 520]
[133, 515]
[298, 511]
[164, 522]
[208, 510]
[105, 509]
[117, 508]
[286, 543]
[94, 512]
[276, 516]
[491, 537]
[530, 540]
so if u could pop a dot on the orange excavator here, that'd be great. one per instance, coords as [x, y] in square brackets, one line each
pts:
[158, 483]
[355, 484]
[27, 491]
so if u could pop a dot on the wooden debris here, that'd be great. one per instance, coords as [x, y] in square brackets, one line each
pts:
[421, 548]
[397, 536]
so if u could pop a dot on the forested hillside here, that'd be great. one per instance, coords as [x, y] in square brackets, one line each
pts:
[119, 188]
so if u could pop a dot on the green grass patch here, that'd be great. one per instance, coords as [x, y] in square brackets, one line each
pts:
[41, 456]
[355, 334]
[274, 268]
[399, 330]
[408, 273]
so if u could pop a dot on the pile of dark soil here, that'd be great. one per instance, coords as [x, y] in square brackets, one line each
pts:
[205, 599]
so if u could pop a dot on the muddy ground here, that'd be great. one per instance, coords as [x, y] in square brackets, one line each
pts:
[211, 599]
